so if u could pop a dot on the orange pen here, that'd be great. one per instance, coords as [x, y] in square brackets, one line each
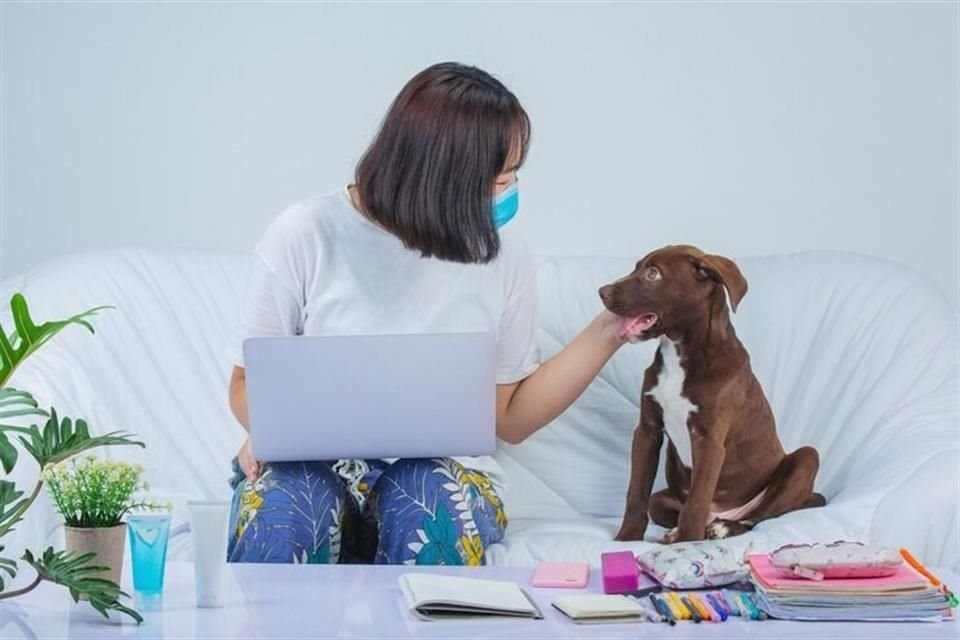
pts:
[702, 609]
[913, 562]
[952, 599]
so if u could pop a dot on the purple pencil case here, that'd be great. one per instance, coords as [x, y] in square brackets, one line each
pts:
[620, 571]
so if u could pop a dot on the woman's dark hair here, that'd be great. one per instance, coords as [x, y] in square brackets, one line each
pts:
[429, 174]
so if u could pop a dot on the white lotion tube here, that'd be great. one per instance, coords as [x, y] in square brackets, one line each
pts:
[208, 522]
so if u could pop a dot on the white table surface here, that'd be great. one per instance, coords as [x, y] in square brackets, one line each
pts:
[291, 601]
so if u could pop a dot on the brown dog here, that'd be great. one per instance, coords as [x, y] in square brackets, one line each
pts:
[726, 469]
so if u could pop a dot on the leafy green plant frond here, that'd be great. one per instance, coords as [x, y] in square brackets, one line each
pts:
[76, 572]
[8, 453]
[61, 439]
[29, 336]
[7, 566]
[14, 403]
[12, 506]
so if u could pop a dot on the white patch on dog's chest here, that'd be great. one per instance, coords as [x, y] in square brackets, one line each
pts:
[669, 395]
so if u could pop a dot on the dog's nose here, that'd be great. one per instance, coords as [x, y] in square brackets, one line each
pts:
[605, 292]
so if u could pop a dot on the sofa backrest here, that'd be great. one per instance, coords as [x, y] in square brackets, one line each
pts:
[841, 343]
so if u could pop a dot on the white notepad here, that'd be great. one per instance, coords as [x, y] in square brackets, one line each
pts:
[438, 597]
[590, 608]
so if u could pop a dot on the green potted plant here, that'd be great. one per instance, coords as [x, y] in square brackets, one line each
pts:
[92, 496]
[57, 440]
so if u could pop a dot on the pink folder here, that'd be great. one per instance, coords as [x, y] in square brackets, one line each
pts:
[770, 577]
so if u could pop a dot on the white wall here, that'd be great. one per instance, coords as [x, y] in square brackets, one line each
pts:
[744, 128]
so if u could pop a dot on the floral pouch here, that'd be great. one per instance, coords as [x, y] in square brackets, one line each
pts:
[693, 565]
[836, 560]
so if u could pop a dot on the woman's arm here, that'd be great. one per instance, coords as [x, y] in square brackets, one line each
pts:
[528, 405]
[238, 404]
[238, 396]
[523, 407]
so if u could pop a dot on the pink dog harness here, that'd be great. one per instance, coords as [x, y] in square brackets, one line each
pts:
[737, 513]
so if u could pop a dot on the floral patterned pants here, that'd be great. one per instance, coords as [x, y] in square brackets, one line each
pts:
[414, 511]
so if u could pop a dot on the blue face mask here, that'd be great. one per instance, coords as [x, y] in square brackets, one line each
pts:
[505, 205]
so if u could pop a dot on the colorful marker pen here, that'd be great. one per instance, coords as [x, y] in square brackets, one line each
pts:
[731, 603]
[701, 609]
[717, 607]
[694, 613]
[663, 609]
[761, 615]
[682, 609]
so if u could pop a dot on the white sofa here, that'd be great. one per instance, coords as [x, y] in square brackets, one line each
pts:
[858, 356]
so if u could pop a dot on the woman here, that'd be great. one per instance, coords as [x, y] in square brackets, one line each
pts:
[413, 245]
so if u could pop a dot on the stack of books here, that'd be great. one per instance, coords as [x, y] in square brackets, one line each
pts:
[904, 596]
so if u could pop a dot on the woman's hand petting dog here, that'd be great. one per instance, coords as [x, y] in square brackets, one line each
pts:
[610, 324]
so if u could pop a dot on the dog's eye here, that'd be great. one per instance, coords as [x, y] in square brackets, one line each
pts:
[652, 273]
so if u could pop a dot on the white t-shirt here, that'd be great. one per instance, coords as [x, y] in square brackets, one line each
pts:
[325, 269]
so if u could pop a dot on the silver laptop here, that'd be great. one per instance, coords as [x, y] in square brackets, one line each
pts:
[376, 396]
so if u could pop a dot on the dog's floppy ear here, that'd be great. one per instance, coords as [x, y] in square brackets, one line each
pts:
[724, 271]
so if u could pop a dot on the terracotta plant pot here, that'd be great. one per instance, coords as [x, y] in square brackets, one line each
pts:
[106, 542]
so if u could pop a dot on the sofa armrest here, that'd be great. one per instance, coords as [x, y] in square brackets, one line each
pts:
[921, 513]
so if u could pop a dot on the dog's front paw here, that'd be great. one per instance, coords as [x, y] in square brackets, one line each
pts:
[682, 534]
[669, 537]
[676, 535]
[719, 529]
[632, 530]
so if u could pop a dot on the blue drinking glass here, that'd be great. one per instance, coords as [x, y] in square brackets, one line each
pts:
[149, 535]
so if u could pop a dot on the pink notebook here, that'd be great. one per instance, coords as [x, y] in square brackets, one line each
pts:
[905, 578]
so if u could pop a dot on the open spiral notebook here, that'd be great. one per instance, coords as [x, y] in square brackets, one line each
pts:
[439, 597]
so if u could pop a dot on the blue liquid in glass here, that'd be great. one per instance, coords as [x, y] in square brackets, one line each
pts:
[148, 535]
